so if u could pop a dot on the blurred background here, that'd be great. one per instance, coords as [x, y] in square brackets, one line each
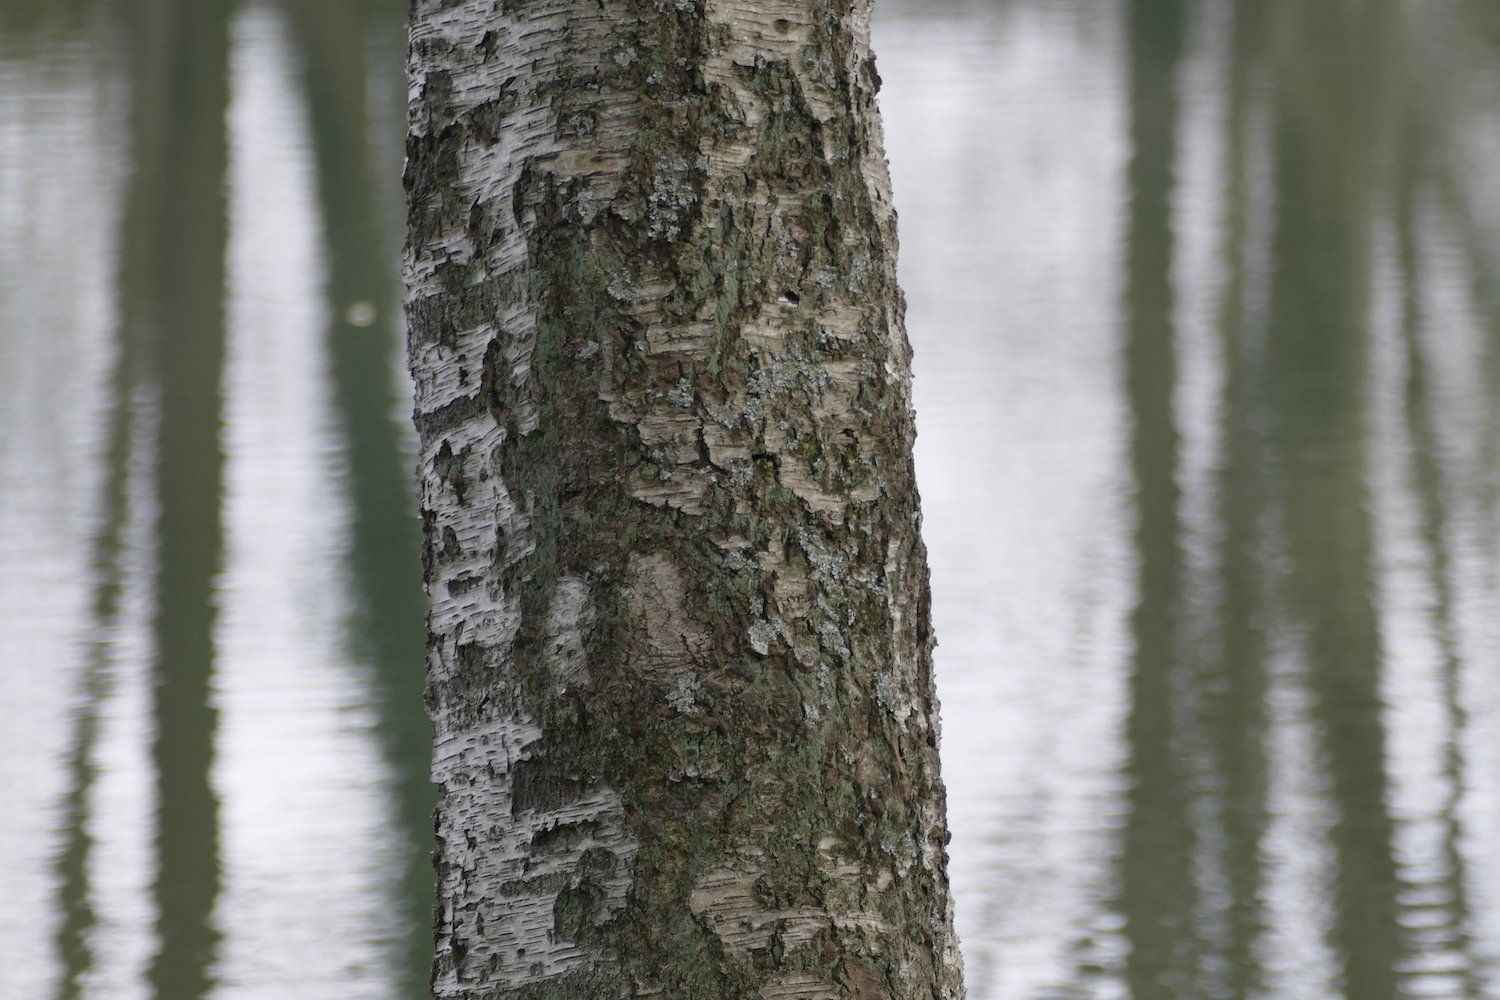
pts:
[1205, 297]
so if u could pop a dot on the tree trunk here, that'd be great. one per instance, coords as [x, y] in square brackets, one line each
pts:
[679, 654]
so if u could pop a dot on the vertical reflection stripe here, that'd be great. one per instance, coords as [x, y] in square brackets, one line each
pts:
[309, 833]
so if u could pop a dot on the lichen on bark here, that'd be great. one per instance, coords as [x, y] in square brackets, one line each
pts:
[679, 657]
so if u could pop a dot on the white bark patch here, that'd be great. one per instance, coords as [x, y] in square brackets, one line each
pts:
[527, 865]
[756, 356]
[530, 860]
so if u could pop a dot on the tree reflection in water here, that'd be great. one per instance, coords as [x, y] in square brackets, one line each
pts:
[1300, 737]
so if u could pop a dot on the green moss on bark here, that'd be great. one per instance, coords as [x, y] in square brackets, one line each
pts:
[706, 427]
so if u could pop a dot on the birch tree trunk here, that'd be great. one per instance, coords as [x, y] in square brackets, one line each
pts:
[679, 655]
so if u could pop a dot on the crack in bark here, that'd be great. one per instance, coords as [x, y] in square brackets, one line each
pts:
[679, 644]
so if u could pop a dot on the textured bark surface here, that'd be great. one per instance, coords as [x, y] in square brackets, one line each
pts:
[679, 657]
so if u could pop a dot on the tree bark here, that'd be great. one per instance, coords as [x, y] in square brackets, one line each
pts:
[679, 655]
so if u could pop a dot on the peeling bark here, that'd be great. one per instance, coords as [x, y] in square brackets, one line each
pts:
[680, 654]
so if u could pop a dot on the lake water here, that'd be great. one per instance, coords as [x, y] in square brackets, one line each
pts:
[1205, 297]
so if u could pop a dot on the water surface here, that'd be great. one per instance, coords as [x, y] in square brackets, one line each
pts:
[1205, 296]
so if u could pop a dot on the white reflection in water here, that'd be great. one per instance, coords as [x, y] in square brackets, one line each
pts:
[1300, 869]
[1439, 576]
[1198, 283]
[58, 163]
[1007, 142]
[1003, 130]
[306, 810]
[1418, 712]
[1006, 126]
[121, 811]
[1458, 344]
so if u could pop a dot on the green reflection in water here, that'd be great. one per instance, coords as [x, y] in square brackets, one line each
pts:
[363, 305]
[172, 299]
[171, 342]
[78, 915]
[35, 26]
[1324, 138]
[1355, 121]
[1155, 882]
[41, 25]
[1235, 673]
[1291, 483]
